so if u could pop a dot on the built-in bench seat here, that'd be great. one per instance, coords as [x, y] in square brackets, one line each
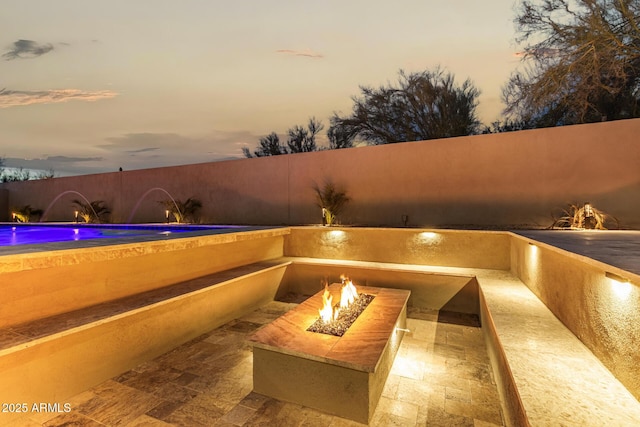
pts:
[14, 335]
[68, 353]
[545, 374]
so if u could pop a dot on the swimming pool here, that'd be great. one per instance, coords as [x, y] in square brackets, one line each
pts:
[22, 236]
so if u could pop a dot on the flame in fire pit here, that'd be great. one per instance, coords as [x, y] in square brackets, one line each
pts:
[327, 313]
[348, 294]
[335, 320]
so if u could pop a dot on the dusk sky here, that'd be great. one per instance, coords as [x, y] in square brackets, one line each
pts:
[88, 87]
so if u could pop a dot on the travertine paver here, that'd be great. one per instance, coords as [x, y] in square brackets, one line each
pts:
[441, 377]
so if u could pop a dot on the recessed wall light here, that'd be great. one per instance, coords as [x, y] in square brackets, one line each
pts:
[616, 277]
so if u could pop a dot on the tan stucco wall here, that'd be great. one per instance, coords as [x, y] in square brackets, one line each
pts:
[452, 248]
[503, 180]
[48, 283]
[603, 314]
[4, 204]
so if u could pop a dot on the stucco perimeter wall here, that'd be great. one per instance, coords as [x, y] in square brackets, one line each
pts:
[601, 312]
[4, 204]
[514, 178]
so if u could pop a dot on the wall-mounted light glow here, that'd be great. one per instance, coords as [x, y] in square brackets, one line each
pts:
[334, 241]
[334, 237]
[336, 234]
[428, 238]
[428, 235]
[75, 216]
[621, 285]
[616, 277]
[532, 263]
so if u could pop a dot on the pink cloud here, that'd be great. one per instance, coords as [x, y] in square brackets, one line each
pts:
[14, 98]
[308, 53]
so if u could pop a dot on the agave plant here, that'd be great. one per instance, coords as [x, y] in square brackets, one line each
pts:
[25, 213]
[331, 200]
[182, 211]
[95, 211]
[581, 217]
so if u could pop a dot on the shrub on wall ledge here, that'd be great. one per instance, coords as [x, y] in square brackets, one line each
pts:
[583, 217]
[95, 211]
[182, 211]
[332, 200]
[25, 214]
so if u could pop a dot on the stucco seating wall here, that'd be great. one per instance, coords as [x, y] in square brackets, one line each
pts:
[51, 359]
[43, 284]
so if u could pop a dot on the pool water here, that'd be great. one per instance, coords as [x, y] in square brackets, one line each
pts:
[29, 234]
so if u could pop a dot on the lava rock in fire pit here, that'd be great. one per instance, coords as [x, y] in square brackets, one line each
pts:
[346, 317]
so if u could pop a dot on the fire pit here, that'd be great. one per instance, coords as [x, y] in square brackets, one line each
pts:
[336, 319]
[341, 375]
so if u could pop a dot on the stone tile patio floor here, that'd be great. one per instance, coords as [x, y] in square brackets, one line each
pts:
[441, 377]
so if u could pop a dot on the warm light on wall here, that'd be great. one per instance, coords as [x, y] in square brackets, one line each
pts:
[616, 277]
[533, 252]
[621, 285]
[335, 236]
[428, 237]
[533, 262]
[336, 233]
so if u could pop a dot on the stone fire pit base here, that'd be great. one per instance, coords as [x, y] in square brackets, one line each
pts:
[342, 376]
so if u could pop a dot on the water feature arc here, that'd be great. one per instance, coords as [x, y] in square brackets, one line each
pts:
[46, 211]
[149, 191]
